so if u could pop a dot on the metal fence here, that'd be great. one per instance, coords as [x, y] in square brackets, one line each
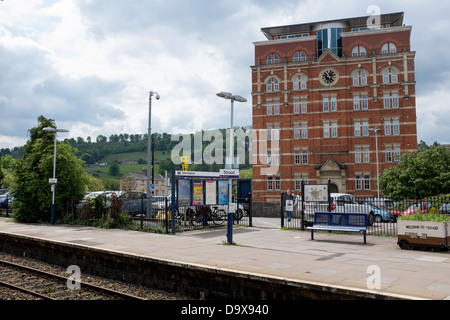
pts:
[383, 213]
[187, 217]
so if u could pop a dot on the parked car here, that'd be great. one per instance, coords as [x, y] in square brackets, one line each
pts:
[6, 200]
[340, 202]
[3, 191]
[445, 208]
[382, 214]
[418, 207]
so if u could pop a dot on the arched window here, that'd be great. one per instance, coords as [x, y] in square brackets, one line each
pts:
[299, 56]
[390, 76]
[273, 59]
[299, 82]
[359, 51]
[272, 85]
[388, 48]
[360, 78]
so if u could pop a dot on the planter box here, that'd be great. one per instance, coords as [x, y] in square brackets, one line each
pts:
[427, 234]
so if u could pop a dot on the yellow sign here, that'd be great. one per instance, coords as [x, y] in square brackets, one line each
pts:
[185, 163]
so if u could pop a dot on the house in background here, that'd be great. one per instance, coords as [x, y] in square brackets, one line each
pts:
[137, 182]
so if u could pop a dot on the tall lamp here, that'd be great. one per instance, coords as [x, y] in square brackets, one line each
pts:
[53, 181]
[376, 148]
[227, 95]
[149, 151]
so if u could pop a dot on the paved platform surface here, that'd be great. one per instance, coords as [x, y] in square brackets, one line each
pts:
[333, 260]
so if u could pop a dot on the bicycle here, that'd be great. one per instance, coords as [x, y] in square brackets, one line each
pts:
[203, 214]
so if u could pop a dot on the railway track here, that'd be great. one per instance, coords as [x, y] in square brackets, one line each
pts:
[48, 286]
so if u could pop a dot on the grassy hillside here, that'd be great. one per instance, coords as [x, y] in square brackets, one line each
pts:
[103, 171]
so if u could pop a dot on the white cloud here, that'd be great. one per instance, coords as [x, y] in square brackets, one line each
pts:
[90, 65]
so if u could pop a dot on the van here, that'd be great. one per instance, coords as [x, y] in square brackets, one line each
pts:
[340, 203]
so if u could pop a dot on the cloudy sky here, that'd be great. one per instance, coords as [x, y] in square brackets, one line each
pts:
[90, 64]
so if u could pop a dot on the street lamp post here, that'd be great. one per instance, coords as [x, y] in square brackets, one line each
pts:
[227, 95]
[149, 151]
[376, 151]
[53, 181]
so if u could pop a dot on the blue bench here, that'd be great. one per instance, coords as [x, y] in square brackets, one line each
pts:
[345, 222]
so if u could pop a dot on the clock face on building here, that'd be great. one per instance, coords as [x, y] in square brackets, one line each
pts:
[329, 76]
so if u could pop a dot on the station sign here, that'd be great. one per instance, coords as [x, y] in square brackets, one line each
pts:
[223, 173]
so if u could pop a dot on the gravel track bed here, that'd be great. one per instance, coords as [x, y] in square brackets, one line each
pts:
[136, 290]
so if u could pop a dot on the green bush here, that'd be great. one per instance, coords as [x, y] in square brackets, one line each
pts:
[432, 216]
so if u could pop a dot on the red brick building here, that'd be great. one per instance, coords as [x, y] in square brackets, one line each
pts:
[317, 89]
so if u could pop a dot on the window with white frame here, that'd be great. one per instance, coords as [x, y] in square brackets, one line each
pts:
[357, 127]
[356, 102]
[358, 182]
[357, 154]
[296, 106]
[326, 104]
[360, 78]
[297, 157]
[329, 103]
[388, 153]
[269, 133]
[276, 107]
[395, 127]
[366, 155]
[365, 128]
[276, 157]
[364, 102]
[394, 99]
[333, 104]
[269, 108]
[299, 56]
[277, 183]
[366, 182]
[304, 156]
[388, 48]
[362, 182]
[387, 127]
[390, 76]
[304, 105]
[299, 82]
[276, 132]
[396, 154]
[273, 59]
[360, 102]
[304, 130]
[334, 130]
[272, 85]
[359, 51]
[296, 131]
[269, 183]
[326, 129]
[392, 127]
[298, 183]
[269, 157]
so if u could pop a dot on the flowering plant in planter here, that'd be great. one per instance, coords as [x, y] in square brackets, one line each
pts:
[428, 230]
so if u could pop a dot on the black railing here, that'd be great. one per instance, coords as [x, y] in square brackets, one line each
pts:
[382, 213]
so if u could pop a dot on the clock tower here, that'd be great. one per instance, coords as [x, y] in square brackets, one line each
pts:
[317, 89]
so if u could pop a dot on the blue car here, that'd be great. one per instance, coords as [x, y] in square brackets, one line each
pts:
[6, 199]
[381, 214]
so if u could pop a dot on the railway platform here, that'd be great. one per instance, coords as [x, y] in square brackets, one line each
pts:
[261, 255]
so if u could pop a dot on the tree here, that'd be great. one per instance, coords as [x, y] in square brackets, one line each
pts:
[32, 191]
[114, 169]
[419, 174]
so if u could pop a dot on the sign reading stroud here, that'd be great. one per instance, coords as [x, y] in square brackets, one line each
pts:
[224, 173]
